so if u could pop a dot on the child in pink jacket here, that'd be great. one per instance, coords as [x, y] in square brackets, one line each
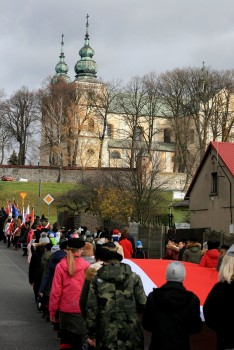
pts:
[65, 295]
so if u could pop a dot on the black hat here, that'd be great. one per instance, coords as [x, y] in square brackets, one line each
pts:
[213, 244]
[105, 254]
[75, 243]
[63, 243]
[49, 246]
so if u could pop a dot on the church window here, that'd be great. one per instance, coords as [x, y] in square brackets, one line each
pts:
[115, 155]
[110, 131]
[91, 124]
[167, 135]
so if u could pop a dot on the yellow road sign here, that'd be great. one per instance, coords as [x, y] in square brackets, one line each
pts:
[48, 199]
[23, 194]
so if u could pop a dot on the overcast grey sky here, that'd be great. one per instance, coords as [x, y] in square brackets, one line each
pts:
[129, 37]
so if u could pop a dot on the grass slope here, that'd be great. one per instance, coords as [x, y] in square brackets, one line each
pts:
[11, 190]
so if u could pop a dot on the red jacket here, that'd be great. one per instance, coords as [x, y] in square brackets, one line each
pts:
[171, 254]
[30, 235]
[127, 248]
[66, 290]
[210, 258]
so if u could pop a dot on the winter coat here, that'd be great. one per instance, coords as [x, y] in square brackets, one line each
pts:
[171, 252]
[66, 290]
[46, 282]
[140, 253]
[45, 262]
[132, 240]
[24, 234]
[116, 296]
[53, 240]
[192, 253]
[181, 253]
[218, 311]
[35, 269]
[210, 258]
[127, 248]
[29, 236]
[171, 314]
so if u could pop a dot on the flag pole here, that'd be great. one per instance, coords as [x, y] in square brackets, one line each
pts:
[23, 195]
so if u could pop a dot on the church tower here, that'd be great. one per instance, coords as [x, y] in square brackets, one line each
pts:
[86, 67]
[61, 68]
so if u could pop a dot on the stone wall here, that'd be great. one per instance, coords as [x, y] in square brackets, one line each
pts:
[173, 181]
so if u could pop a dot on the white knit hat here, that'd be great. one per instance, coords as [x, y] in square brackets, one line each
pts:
[175, 271]
[55, 248]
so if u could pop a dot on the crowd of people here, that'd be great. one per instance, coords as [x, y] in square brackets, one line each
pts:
[95, 301]
[209, 254]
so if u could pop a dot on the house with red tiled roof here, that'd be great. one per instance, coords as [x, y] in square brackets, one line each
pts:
[211, 192]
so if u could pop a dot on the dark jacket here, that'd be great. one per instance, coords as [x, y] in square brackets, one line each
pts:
[115, 298]
[35, 268]
[54, 259]
[171, 314]
[192, 253]
[45, 261]
[140, 253]
[181, 253]
[218, 311]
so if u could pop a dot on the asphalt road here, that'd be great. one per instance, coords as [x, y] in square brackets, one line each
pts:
[21, 326]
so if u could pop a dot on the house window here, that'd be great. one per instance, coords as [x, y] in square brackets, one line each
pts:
[110, 131]
[91, 124]
[214, 183]
[115, 155]
[167, 135]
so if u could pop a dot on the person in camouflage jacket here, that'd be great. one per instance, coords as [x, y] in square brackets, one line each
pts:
[115, 299]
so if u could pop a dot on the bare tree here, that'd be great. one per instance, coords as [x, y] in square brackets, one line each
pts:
[222, 120]
[103, 102]
[144, 187]
[5, 135]
[203, 86]
[198, 105]
[132, 102]
[151, 111]
[22, 117]
[77, 123]
[80, 199]
[172, 90]
[67, 118]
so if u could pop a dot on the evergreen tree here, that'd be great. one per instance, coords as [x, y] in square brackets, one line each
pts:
[13, 160]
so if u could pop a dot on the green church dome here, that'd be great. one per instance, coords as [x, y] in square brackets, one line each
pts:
[61, 68]
[86, 67]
